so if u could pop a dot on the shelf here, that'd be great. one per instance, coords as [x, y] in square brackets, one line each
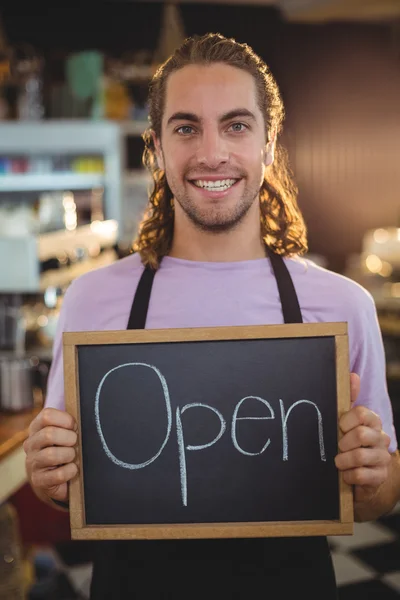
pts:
[50, 182]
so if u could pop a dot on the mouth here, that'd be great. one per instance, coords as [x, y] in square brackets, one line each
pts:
[217, 186]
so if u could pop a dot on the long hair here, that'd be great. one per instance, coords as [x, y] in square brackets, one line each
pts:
[282, 225]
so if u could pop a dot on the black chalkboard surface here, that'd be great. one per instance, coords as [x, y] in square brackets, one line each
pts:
[209, 432]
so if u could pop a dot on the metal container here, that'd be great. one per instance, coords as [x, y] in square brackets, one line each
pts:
[11, 321]
[16, 384]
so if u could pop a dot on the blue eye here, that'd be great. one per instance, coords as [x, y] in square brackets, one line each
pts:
[238, 127]
[185, 130]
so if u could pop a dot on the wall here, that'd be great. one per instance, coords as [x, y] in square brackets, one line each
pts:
[344, 133]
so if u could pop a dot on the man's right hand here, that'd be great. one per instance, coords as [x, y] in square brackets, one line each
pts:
[50, 454]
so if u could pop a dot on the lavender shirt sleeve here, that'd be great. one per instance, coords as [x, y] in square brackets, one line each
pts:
[55, 382]
[368, 361]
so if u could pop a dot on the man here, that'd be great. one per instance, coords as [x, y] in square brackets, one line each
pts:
[221, 237]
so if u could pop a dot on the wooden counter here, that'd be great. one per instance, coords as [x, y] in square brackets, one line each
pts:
[13, 432]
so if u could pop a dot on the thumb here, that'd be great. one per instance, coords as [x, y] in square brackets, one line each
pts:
[354, 387]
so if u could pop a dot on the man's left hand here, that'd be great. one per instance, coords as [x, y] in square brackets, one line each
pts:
[364, 458]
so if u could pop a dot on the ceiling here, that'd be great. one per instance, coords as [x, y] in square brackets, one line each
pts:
[328, 10]
[322, 10]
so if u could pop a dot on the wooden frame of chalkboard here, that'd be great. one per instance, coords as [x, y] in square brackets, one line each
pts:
[81, 528]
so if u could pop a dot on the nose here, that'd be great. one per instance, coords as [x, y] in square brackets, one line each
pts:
[212, 151]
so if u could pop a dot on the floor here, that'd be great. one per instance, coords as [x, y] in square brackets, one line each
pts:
[367, 565]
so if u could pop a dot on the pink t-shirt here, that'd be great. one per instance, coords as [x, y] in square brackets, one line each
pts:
[210, 294]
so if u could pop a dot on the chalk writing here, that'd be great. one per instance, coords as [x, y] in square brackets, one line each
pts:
[107, 450]
[182, 448]
[181, 443]
[235, 418]
[284, 429]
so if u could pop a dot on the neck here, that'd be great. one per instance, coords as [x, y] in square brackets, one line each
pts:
[244, 242]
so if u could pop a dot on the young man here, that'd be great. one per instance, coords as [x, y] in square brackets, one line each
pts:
[221, 236]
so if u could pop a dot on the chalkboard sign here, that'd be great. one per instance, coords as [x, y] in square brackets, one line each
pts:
[214, 432]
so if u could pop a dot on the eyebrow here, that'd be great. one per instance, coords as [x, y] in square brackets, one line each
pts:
[232, 114]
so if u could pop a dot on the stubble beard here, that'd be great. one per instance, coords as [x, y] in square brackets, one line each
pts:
[214, 220]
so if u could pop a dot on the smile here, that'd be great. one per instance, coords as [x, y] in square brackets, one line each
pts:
[220, 185]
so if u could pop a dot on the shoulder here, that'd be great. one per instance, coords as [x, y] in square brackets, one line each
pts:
[101, 298]
[329, 288]
[106, 279]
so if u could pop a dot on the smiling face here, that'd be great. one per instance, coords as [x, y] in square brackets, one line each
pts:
[212, 146]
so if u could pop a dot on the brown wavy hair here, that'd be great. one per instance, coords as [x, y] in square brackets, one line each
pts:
[282, 225]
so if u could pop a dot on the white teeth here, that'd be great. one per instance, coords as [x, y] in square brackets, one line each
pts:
[217, 186]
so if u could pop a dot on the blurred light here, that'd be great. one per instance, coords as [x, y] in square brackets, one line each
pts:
[68, 201]
[386, 269]
[42, 321]
[34, 361]
[381, 236]
[104, 228]
[70, 218]
[70, 221]
[95, 226]
[396, 290]
[373, 263]
[50, 297]
[398, 235]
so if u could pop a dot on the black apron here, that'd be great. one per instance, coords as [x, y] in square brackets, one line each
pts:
[220, 569]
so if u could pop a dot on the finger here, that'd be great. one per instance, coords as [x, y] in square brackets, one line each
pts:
[59, 492]
[360, 415]
[53, 457]
[363, 437]
[362, 457]
[52, 417]
[354, 387]
[45, 479]
[51, 436]
[366, 476]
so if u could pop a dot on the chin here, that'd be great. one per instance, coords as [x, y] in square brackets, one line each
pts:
[216, 225]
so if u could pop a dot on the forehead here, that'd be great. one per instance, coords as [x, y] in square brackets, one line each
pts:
[210, 90]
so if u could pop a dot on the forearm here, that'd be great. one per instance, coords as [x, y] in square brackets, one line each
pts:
[370, 505]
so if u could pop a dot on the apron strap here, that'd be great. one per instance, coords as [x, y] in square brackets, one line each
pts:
[289, 300]
[141, 301]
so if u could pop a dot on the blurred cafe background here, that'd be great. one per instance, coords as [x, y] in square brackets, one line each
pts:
[73, 107]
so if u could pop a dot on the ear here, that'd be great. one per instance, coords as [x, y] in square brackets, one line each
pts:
[158, 149]
[269, 152]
